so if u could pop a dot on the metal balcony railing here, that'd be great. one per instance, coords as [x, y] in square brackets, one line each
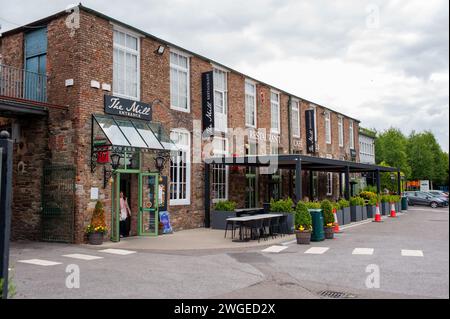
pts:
[22, 84]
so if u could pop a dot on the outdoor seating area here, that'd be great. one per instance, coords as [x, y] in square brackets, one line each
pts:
[257, 226]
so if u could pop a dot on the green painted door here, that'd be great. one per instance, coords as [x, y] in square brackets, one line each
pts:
[148, 204]
[115, 209]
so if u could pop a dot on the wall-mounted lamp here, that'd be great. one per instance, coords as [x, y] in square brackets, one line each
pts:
[159, 162]
[107, 174]
[160, 50]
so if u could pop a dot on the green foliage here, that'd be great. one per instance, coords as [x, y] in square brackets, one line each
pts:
[336, 206]
[357, 201]
[367, 195]
[312, 205]
[303, 217]
[391, 148]
[98, 224]
[225, 206]
[385, 198]
[285, 206]
[11, 288]
[373, 201]
[370, 188]
[394, 198]
[327, 208]
[343, 203]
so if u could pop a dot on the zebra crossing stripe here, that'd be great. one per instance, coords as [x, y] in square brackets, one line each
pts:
[274, 249]
[82, 257]
[363, 251]
[39, 262]
[122, 252]
[412, 253]
[317, 250]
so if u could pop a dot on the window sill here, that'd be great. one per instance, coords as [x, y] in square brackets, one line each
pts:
[183, 202]
[179, 109]
[125, 96]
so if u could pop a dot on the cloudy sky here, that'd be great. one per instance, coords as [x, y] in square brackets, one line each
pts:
[384, 62]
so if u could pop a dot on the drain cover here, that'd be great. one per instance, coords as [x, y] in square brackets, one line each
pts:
[335, 294]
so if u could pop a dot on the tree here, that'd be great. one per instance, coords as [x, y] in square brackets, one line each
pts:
[426, 158]
[391, 148]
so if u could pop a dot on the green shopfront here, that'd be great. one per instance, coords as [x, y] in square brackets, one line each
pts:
[132, 153]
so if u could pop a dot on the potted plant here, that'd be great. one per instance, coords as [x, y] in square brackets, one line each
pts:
[97, 228]
[303, 224]
[285, 207]
[328, 218]
[356, 204]
[396, 200]
[371, 200]
[222, 210]
[345, 207]
[385, 199]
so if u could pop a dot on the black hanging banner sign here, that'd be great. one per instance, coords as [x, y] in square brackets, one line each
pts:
[310, 132]
[208, 104]
[119, 106]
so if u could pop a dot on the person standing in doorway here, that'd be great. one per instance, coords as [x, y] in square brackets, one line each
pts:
[125, 213]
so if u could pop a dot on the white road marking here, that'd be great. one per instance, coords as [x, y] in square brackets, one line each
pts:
[117, 251]
[317, 250]
[39, 262]
[287, 243]
[362, 251]
[82, 257]
[412, 253]
[274, 249]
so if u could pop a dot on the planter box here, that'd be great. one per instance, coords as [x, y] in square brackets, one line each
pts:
[219, 219]
[398, 207]
[371, 211]
[385, 209]
[364, 212]
[356, 213]
[346, 216]
[340, 216]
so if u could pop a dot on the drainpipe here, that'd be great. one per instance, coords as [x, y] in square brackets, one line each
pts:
[291, 176]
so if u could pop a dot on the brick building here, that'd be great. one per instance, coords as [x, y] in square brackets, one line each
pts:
[54, 76]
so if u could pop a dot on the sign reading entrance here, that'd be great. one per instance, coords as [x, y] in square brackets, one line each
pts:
[310, 132]
[119, 106]
[208, 104]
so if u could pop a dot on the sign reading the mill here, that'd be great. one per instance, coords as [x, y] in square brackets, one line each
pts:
[124, 107]
[208, 103]
[310, 132]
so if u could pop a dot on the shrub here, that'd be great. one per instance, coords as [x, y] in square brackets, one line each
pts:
[11, 288]
[373, 201]
[394, 199]
[385, 198]
[357, 201]
[98, 224]
[285, 206]
[225, 206]
[370, 188]
[368, 195]
[328, 216]
[312, 205]
[336, 206]
[343, 203]
[303, 220]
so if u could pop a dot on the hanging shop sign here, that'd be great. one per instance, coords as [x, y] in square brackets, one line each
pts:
[260, 135]
[310, 132]
[208, 104]
[119, 106]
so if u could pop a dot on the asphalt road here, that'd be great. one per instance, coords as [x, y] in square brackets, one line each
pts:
[252, 273]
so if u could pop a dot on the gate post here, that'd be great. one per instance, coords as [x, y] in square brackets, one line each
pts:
[6, 147]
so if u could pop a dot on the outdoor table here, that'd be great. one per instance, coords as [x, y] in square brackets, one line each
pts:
[249, 211]
[246, 219]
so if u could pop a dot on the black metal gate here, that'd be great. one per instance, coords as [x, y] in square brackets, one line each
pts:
[58, 204]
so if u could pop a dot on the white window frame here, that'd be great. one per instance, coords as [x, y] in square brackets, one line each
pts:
[276, 130]
[328, 137]
[187, 149]
[341, 130]
[218, 153]
[314, 107]
[351, 135]
[295, 107]
[188, 80]
[254, 95]
[221, 119]
[138, 58]
[329, 179]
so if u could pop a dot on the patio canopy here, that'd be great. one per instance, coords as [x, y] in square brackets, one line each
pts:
[298, 163]
[125, 133]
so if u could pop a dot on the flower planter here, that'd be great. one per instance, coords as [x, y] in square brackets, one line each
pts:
[219, 218]
[356, 213]
[371, 211]
[346, 216]
[303, 237]
[329, 233]
[95, 238]
[340, 216]
[385, 209]
[364, 212]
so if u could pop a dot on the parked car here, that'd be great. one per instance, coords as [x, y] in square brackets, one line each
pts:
[439, 193]
[424, 199]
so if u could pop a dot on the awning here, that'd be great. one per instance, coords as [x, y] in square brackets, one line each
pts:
[129, 134]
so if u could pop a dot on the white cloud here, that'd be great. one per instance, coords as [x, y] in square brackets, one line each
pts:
[396, 74]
